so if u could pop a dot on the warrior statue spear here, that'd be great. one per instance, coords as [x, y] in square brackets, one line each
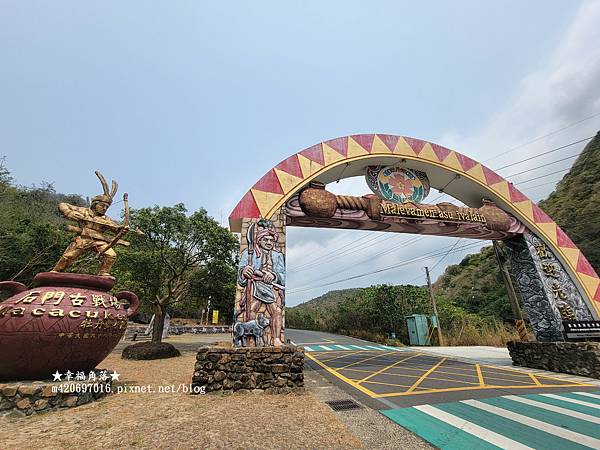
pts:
[248, 294]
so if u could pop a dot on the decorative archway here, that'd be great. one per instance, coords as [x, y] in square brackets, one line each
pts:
[449, 171]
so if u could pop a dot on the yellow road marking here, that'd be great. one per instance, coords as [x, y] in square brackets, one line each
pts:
[445, 372]
[388, 367]
[479, 376]
[388, 384]
[423, 369]
[341, 356]
[414, 386]
[435, 391]
[416, 389]
[364, 360]
[363, 389]
[523, 373]
[535, 380]
[448, 379]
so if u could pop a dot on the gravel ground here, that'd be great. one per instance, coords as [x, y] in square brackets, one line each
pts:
[178, 420]
[371, 427]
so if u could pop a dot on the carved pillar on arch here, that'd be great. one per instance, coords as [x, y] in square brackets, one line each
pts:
[260, 294]
[545, 286]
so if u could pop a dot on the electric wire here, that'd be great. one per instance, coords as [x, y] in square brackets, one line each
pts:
[544, 136]
[385, 269]
[545, 153]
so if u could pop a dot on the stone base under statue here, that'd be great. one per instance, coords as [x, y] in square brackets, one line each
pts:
[24, 398]
[577, 358]
[274, 370]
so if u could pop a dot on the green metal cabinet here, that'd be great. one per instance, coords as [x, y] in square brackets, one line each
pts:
[418, 329]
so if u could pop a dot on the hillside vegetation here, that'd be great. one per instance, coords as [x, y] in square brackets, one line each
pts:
[33, 237]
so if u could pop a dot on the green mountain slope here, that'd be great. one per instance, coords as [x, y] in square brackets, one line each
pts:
[575, 204]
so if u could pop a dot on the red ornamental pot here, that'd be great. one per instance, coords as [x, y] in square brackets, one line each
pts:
[66, 321]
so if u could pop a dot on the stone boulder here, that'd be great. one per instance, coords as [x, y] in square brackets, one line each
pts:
[150, 350]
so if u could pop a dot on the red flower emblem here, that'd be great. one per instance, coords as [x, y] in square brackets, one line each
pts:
[400, 185]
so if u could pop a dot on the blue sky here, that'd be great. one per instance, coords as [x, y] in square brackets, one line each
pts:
[194, 101]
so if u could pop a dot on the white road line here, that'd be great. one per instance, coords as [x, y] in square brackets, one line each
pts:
[537, 424]
[471, 428]
[358, 347]
[572, 400]
[341, 346]
[308, 349]
[324, 347]
[588, 394]
[556, 409]
[373, 347]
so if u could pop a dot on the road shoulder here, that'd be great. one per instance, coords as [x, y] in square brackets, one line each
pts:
[371, 427]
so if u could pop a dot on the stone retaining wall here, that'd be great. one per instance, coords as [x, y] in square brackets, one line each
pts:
[577, 358]
[24, 398]
[274, 370]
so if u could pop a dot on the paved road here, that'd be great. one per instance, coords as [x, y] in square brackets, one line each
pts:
[474, 405]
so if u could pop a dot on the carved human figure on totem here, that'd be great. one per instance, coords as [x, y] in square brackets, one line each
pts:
[91, 233]
[261, 273]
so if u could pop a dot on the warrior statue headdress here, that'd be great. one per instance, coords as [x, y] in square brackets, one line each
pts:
[108, 196]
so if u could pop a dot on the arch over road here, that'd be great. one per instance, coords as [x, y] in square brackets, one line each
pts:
[449, 171]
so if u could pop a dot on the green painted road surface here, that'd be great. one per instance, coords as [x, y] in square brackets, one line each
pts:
[541, 421]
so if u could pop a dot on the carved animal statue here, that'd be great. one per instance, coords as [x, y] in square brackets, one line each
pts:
[253, 328]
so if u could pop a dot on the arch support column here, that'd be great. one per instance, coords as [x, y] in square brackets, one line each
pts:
[259, 316]
[547, 289]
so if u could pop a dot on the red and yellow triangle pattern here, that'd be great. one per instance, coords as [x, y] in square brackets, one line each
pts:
[281, 182]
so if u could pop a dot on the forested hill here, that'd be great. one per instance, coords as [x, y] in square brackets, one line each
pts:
[575, 204]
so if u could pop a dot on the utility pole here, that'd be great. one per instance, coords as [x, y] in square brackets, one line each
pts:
[208, 310]
[512, 294]
[439, 329]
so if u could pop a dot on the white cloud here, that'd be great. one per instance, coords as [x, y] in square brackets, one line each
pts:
[565, 91]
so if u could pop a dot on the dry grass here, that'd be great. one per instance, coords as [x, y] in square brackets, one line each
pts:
[177, 420]
[495, 334]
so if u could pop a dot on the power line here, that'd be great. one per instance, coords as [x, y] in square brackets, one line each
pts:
[543, 184]
[333, 251]
[446, 255]
[336, 253]
[385, 269]
[545, 153]
[543, 176]
[544, 136]
[543, 165]
[393, 249]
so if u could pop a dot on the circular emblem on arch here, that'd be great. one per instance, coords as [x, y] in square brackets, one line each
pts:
[398, 184]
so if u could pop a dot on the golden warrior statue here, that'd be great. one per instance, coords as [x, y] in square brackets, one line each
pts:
[91, 232]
